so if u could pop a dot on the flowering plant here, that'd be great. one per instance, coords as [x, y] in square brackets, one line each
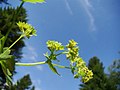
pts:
[71, 50]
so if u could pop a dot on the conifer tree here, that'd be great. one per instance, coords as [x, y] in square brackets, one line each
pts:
[114, 76]
[99, 80]
[23, 84]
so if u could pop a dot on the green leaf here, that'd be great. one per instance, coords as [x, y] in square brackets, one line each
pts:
[72, 69]
[9, 73]
[8, 66]
[7, 52]
[8, 78]
[34, 1]
[46, 55]
[6, 55]
[53, 68]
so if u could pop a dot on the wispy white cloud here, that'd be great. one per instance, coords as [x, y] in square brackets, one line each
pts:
[88, 6]
[68, 7]
[31, 55]
[87, 3]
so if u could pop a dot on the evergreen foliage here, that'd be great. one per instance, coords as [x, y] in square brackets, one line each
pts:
[114, 76]
[98, 82]
[22, 84]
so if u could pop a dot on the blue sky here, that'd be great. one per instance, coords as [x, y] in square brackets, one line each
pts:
[94, 24]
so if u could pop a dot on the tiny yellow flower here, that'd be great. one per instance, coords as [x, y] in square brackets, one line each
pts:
[87, 77]
[71, 44]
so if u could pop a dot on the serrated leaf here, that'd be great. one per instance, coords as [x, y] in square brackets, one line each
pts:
[53, 68]
[34, 1]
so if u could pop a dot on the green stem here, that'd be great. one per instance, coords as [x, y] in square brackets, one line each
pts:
[30, 64]
[61, 53]
[60, 66]
[39, 63]
[13, 44]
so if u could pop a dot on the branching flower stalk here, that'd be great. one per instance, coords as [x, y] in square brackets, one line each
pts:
[71, 50]
[77, 65]
[39, 63]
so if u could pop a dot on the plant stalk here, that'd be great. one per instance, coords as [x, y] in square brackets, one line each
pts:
[13, 44]
[39, 63]
[30, 64]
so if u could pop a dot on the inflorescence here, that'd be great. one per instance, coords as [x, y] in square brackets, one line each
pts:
[77, 65]
[26, 29]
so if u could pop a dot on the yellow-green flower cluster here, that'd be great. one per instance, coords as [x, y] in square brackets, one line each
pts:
[72, 52]
[26, 29]
[82, 70]
[54, 45]
[72, 44]
[77, 63]
[88, 75]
